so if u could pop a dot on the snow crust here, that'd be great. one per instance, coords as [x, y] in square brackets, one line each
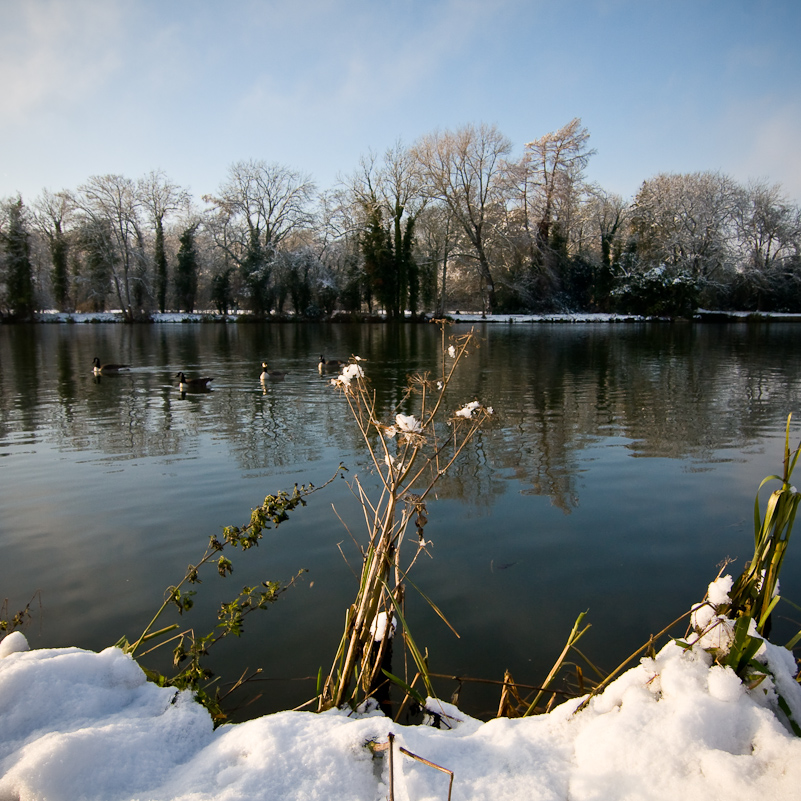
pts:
[77, 724]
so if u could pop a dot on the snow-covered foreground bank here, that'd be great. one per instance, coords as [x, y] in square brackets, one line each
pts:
[76, 725]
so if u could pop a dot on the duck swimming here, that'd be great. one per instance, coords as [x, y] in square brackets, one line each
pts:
[185, 384]
[270, 375]
[330, 364]
[107, 368]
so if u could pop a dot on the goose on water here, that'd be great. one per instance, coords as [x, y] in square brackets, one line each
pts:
[270, 375]
[107, 368]
[185, 383]
[330, 364]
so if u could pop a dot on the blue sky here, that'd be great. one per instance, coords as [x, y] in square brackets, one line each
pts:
[91, 87]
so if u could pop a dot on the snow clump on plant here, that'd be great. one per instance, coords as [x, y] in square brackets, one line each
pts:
[348, 374]
[408, 424]
[469, 408]
[405, 424]
[714, 631]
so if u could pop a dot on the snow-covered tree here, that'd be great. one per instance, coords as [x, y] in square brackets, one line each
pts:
[767, 224]
[685, 221]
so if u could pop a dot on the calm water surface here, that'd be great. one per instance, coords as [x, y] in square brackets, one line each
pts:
[619, 472]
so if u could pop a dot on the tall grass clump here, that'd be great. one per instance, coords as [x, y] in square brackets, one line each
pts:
[734, 620]
[756, 592]
[409, 454]
[736, 614]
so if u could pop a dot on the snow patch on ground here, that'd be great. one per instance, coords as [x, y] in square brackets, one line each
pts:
[76, 724]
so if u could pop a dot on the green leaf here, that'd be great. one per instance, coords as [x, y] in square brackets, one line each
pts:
[734, 657]
[764, 616]
[793, 641]
[408, 689]
[786, 709]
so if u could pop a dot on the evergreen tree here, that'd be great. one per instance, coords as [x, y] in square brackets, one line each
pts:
[95, 238]
[19, 272]
[299, 283]
[221, 291]
[399, 278]
[160, 267]
[379, 262]
[350, 295]
[186, 268]
[403, 283]
[256, 274]
[59, 253]
[160, 197]
[409, 270]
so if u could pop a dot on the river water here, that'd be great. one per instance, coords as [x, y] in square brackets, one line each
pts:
[618, 473]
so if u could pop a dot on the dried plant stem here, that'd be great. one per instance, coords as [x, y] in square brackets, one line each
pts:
[574, 637]
[401, 453]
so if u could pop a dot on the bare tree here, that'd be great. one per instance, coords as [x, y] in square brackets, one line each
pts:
[608, 214]
[601, 220]
[465, 169]
[768, 226]
[439, 240]
[111, 203]
[550, 179]
[400, 183]
[387, 196]
[340, 223]
[257, 207]
[160, 197]
[93, 258]
[52, 213]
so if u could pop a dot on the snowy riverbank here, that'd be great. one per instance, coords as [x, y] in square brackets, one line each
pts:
[702, 315]
[81, 725]
[457, 316]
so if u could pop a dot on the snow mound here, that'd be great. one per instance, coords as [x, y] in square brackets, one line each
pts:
[76, 724]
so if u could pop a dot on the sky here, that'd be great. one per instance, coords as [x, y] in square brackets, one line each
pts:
[189, 87]
[80, 724]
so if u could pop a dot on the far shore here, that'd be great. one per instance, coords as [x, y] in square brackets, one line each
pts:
[701, 315]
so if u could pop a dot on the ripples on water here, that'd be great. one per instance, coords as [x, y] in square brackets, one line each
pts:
[619, 471]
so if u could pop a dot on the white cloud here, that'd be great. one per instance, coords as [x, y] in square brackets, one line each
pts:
[53, 54]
